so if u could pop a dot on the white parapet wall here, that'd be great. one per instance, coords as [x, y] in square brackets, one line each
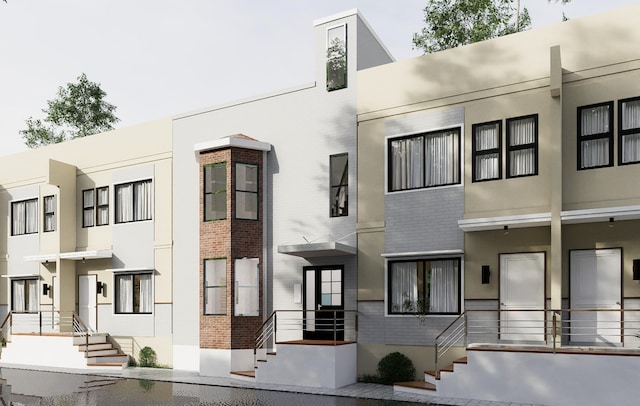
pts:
[545, 378]
[45, 351]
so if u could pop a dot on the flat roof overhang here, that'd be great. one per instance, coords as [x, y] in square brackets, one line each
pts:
[600, 215]
[318, 249]
[84, 255]
[498, 223]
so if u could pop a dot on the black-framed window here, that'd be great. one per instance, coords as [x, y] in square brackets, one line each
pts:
[487, 151]
[629, 131]
[595, 136]
[102, 205]
[425, 160]
[134, 293]
[49, 213]
[522, 146]
[337, 58]
[215, 286]
[339, 185]
[215, 191]
[24, 217]
[24, 295]
[88, 207]
[133, 201]
[246, 188]
[425, 286]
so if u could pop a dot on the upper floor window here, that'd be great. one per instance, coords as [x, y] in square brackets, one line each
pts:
[49, 213]
[24, 217]
[246, 191]
[215, 286]
[88, 207]
[215, 191]
[424, 286]
[102, 206]
[24, 295]
[487, 151]
[426, 160]
[595, 136]
[133, 201]
[339, 174]
[133, 293]
[337, 58]
[629, 132]
[522, 146]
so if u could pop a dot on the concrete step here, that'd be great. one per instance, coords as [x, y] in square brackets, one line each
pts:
[95, 347]
[93, 339]
[108, 359]
[98, 353]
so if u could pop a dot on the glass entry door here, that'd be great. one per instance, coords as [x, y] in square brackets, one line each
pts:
[323, 303]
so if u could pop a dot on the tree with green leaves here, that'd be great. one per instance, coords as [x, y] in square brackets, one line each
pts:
[78, 110]
[451, 23]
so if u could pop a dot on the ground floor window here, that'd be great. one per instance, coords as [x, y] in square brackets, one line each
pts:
[215, 286]
[424, 286]
[24, 295]
[133, 293]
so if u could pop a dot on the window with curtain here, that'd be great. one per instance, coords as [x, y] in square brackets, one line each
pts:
[337, 58]
[215, 286]
[339, 185]
[133, 293]
[24, 295]
[88, 207]
[522, 146]
[49, 213]
[247, 292]
[133, 201]
[426, 160]
[629, 131]
[429, 286]
[246, 203]
[102, 206]
[595, 136]
[24, 217]
[487, 151]
[215, 192]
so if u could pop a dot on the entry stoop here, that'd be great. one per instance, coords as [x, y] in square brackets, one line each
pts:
[100, 352]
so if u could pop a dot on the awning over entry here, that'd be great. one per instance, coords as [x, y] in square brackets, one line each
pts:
[74, 256]
[317, 249]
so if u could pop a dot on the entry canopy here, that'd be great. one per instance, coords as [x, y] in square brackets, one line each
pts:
[74, 256]
[318, 249]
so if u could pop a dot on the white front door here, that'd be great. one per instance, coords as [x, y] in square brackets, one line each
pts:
[87, 300]
[596, 284]
[522, 296]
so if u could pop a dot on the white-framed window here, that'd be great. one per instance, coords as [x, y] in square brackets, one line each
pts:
[24, 217]
[49, 213]
[102, 206]
[215, 286]
[247, 292]
[339, 185]
[629, 131]
[425, 160]
[337, 58]
[595, 136]
[487, 151]
[522, 146]
[215, 191]
[24, 295]
[246, 191]
[426, 286]
[134, 293]
[133, 201]
[88, 207]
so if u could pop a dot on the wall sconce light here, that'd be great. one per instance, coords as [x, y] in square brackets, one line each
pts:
[636, 269]
[506, 230]
[611, 222]
[486, 274]
[100, 287]
[83, 260]
[45, 289]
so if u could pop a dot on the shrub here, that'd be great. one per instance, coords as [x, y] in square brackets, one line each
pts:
[147, 357]
[395, 367]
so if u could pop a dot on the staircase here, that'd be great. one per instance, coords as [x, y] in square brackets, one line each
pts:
[430, 381]
[99, 351]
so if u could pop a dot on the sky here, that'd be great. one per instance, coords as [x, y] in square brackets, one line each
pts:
[159, 58]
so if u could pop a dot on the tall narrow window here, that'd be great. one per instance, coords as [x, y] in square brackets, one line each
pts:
[427, 160]
[595, 136]
[337, 58]
[88, 208]
[133, 293]
[24, 217]
[629, 132]
[133, 201]
[246, 191]
[102, 214]
[246, 287]
[215, 192]
[487, 154]
[24, 295]
[522, 146]
[339, 198]
[215, 286]
[49, 213]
